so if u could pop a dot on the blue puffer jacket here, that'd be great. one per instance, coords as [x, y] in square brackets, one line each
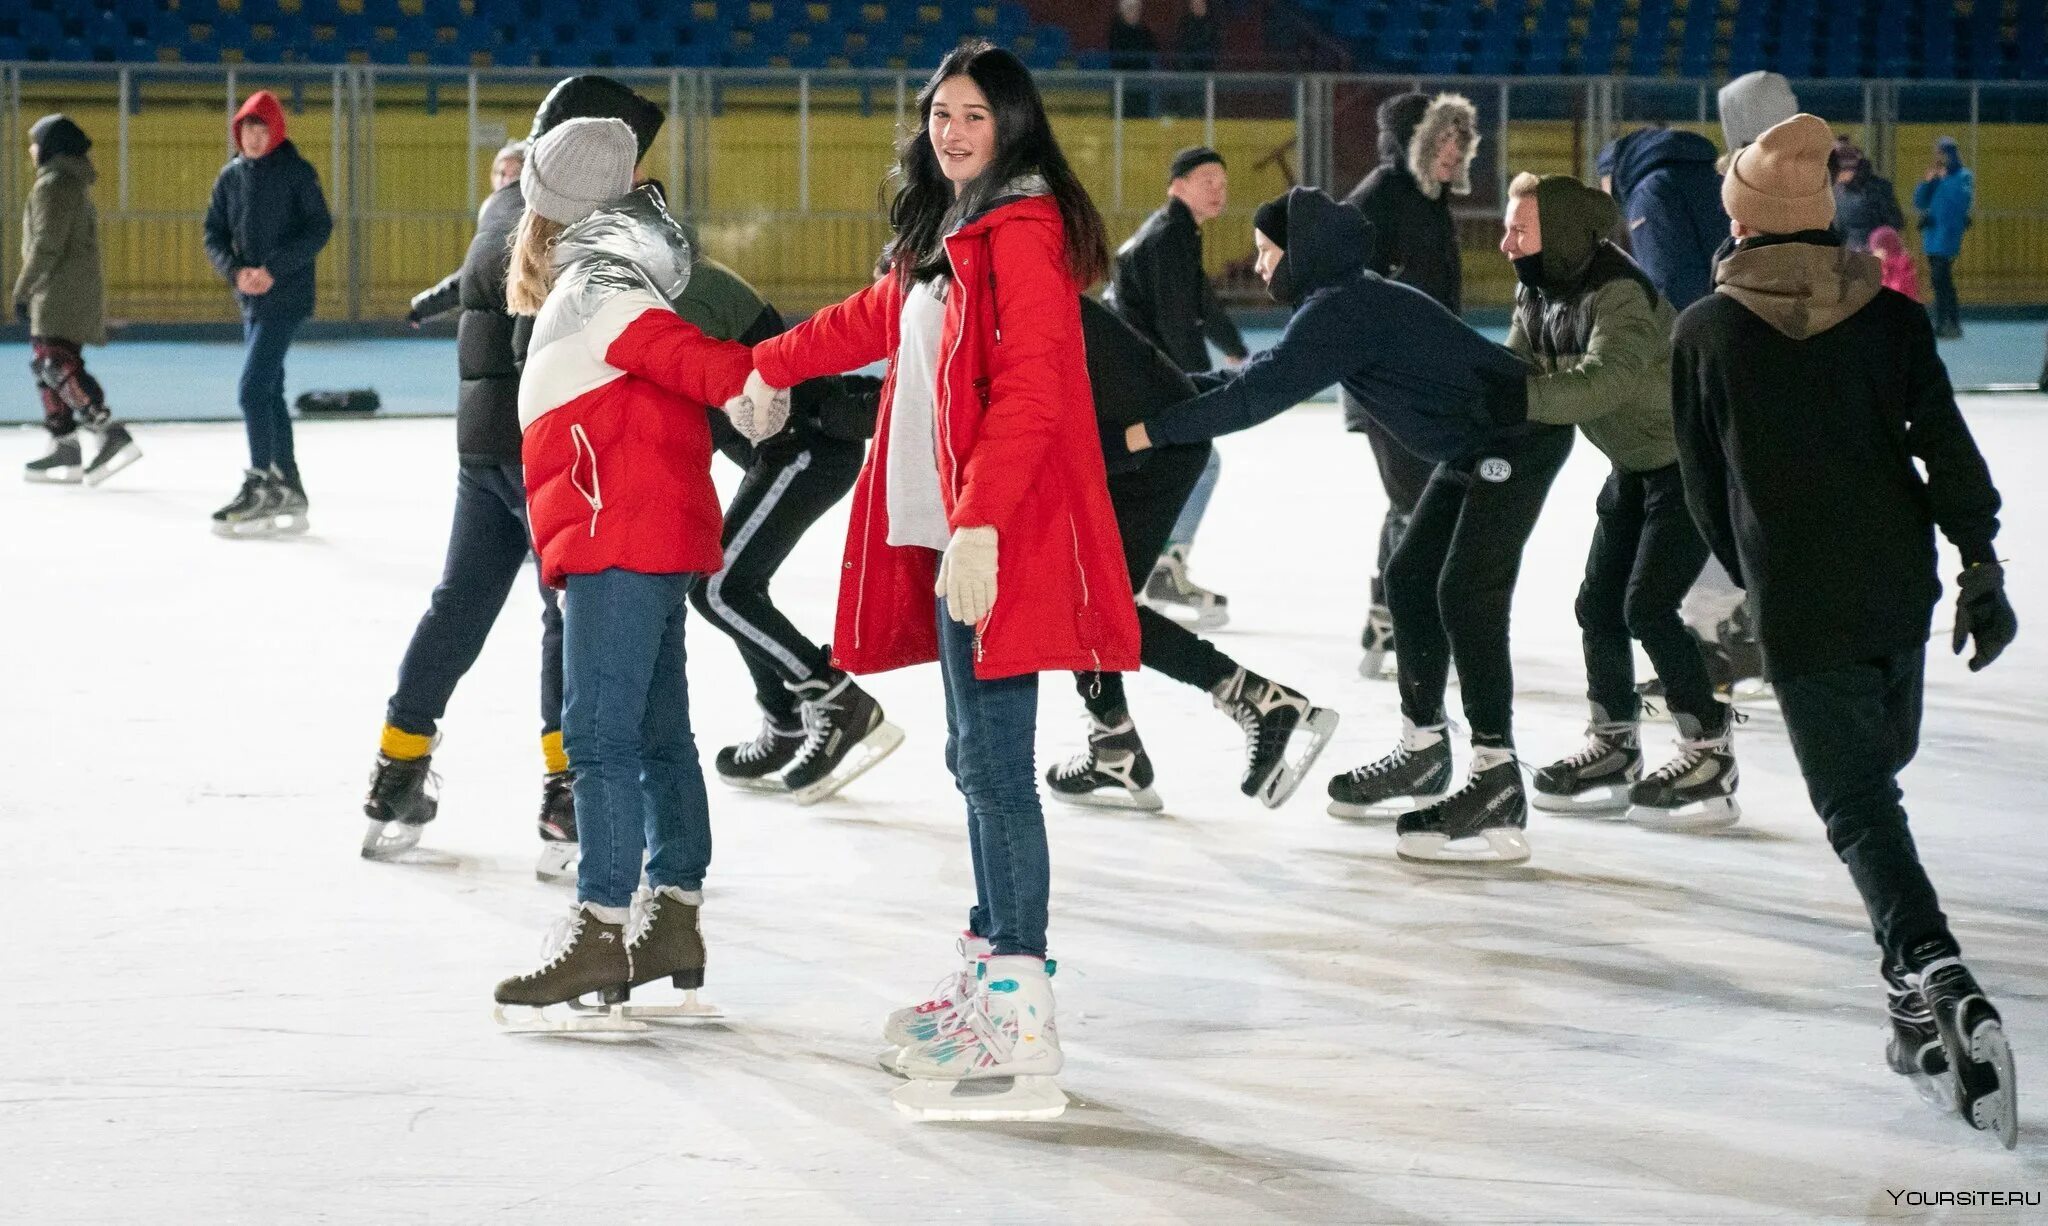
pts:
[1670, 196]
[1944, 207]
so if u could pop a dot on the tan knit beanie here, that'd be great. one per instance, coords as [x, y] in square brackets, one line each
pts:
[1779, 185]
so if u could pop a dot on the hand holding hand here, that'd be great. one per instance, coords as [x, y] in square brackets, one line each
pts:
[1983, 613]
[967, 575]
[759, 411]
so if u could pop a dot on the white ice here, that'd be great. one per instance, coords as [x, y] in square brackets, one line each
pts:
[216, 1012]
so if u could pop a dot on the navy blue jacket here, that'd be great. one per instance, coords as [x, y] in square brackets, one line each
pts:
[1670, 197]
[1434, 383]
[269, 213]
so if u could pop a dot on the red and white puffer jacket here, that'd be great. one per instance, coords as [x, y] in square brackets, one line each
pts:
[611, 404]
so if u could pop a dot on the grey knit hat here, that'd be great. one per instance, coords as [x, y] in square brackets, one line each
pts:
[578, 166]
[1754, 103]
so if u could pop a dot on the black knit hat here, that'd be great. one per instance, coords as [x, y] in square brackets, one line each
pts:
[598, 97]
[1271, 221]
[1187, 161]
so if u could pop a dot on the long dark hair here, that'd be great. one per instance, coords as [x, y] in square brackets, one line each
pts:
[925, 207]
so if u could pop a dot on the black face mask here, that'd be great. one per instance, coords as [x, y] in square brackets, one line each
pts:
[1282, 284]
[1529, 270]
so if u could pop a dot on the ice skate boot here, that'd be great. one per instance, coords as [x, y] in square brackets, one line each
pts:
[399, 804]
[1483, 822]
[844, 737]
[1598, 778]
[253, 511]
[1416, 773]
[288, 516]
[663, 942]
[585, 955]
[1378, 642]
[117, 451]
[1169, 591]
[1973, 1040]
[757, 764]
[942, 1011]
[1112, 773]
[559, 853]
[1272, 715]
[1914, 1049]
[62, 464]
[1696, 789]
[999, 1063]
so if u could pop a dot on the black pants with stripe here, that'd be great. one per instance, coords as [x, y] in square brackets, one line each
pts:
[786, 490]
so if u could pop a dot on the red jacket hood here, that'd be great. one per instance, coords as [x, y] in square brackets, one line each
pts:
[262, 105]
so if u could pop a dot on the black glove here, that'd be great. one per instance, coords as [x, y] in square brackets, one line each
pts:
[1983, 613]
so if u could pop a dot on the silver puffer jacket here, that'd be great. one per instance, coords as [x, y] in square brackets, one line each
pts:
[631, 243]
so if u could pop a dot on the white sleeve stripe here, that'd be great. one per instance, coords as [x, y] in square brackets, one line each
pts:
[616, 315]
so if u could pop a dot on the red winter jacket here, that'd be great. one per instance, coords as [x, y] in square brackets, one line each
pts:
[1017, 450]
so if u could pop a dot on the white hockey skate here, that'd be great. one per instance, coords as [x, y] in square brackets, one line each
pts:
[940, 1012]
[999, 1063]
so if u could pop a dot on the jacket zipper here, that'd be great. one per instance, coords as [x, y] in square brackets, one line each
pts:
[580, 442]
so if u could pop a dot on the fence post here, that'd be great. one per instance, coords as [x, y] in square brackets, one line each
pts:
[1500, 159]
[1209, 110]
[803, 143]
[676, 174]
[469, 173]
[1116, 141]
[1976, 100]
[121, 139]
[231, 112]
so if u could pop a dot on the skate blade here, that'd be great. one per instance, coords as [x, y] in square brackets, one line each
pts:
[389, 840]
[248, 529]
[688, 1009]
[1997, 1111]
[1386, 810]
[764, 783]
[1717, 814]
[67, 476]
[1143, 800]
[529, 1019]
[1502, 845]
[873, 747]
[558, 867]
[121, 459]
[1605, 800]
[988, 1100]
[290, 525]
[1319, 725]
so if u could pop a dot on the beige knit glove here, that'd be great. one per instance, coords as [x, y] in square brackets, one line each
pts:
[759, 411]
[967, 575]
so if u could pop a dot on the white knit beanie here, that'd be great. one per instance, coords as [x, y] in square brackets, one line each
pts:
[578, 166]
[1753, 104]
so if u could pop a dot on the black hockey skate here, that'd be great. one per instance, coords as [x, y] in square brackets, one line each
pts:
[1480, 823]
[1914, 1049]
[757, 764]
[1696, 789]
[1112, 773]
[398, 805]
[1271, 715]
[559, 853]
[62, 464]
[1973, 1040]
[253, 512]
[1378, 642]
[844, 737]
[288, 517]
[1416, 773]
[117, 451]
[1170, 592]
[1598, 778]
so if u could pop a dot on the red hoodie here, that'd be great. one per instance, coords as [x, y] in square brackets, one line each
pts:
[264, 106]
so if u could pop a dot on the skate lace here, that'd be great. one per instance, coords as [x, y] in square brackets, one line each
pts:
[1690, 755]
[1081, 761]
[1385, 766]
[560, 940]
[762, 746]
[1598, 745]
[818, 722]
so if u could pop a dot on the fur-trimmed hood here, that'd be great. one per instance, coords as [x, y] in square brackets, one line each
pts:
[1413, 125]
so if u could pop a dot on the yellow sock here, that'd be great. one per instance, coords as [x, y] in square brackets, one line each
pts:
[552, 754]
[404, 746]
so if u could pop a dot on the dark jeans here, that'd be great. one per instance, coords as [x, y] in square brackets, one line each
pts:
[1403, 474]
[991, 731]
[75, 393]
[1947, 311]
[782, 495]
[1645, 556]
[487, 544]
[1452, 580]
[1853, 730]
[1147, 501]
[626, 726]
[264, 412]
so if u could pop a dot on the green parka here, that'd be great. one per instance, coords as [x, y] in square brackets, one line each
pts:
[61, 281]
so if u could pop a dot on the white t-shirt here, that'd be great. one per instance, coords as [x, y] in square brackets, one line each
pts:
[917, 514]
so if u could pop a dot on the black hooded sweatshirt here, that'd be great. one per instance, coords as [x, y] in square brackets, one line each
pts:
[1159, 288]
[1441, 389]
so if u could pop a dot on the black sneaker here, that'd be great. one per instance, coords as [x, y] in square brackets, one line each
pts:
[1482, 822]
[559, 853]
[1112, 773]
[117, 451]
[1972, 1039]
[398, 805]
[1416, 773]
[844, 736]
[1598, 778]
[755, 764]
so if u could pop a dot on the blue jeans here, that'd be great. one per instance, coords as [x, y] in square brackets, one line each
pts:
[626, 726]
[1197, 505]
[991, 728]
[487, 544]
[264, 412]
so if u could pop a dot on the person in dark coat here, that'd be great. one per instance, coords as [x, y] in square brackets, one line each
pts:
[1133, 48]
[1670, 197]
[1426, 149]
[1864, 200]
[1196, 39]
[265, 227]
[1133, 379]
[1160, 288]
[1780, 480]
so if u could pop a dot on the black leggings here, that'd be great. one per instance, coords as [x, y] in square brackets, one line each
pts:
[1404, 475]
[1147, 502]
[785, 491]
[1646, 553]
[1451, 582]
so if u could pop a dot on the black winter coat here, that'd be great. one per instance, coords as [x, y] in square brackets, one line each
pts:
[1413, 240]
[1864, 203]
[269, 213]
[1159, 288]
[487, 406]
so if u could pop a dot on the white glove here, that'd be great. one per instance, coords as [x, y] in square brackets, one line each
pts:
[759, 411]
[967, 575]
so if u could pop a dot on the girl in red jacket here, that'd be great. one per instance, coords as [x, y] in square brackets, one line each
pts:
[985, 487]
[619, 498]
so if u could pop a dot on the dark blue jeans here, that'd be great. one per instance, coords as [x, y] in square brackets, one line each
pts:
[487, 544]
[264, 412]
[991, 729]
[626, 726]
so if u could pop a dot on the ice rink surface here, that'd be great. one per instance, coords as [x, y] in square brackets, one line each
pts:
[218, 1013]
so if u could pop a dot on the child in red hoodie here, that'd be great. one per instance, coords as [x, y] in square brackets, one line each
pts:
[624, 517]
[1900, 273]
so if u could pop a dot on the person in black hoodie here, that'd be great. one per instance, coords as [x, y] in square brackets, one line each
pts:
[1449, 395]
[1814, 504]
[265, 226]
[1134, 379]
[1670, 197]
[1426, 150]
